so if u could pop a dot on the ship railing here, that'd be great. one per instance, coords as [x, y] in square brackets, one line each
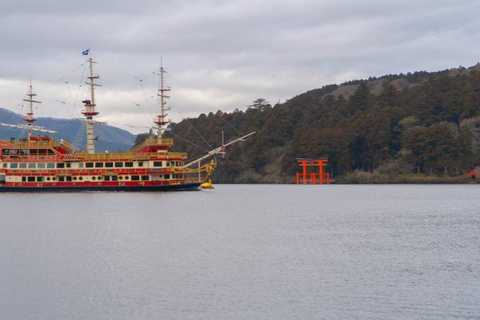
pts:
[38, 143]
[127, 155]
[153, 142]
[33, 158]
[82, 155]
[66, 144]
[42, 143]
[136, 148]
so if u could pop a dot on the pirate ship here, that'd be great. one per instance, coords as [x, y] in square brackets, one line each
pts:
[41, 163]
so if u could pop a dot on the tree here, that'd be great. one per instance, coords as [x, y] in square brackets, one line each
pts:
[360, 100]
[259, 104]
[390, 97]
[440, 148]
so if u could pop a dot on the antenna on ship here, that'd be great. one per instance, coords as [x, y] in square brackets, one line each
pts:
[160, 120]
[90, 111]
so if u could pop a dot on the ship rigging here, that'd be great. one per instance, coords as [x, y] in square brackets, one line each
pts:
[41, 163]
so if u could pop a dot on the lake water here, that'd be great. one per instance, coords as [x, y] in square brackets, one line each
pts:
[243, 252]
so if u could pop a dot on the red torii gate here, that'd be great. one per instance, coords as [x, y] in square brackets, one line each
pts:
[305, 177]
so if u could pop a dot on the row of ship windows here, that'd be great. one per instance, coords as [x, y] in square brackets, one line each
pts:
[97, 178]
[81, 165]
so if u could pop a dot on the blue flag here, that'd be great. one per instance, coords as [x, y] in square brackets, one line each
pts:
[85, 53]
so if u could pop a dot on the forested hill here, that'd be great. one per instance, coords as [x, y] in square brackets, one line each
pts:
[419, 122]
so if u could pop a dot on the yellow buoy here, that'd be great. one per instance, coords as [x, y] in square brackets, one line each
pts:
[207, 185]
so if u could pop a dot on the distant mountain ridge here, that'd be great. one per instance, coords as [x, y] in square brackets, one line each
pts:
[110, 138]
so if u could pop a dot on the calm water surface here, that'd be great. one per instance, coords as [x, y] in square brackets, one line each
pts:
[243, 252]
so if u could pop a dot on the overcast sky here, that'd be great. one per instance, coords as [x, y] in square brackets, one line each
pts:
[220, 55]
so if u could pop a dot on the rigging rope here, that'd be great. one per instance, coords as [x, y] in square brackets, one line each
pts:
[196, 97]
[199, 134]
[79, 73]
[220, 116]
[79, 139]
[189, 142]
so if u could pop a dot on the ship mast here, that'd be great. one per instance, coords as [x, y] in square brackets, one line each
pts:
[29, 118]
[90, 111]
[160, 120]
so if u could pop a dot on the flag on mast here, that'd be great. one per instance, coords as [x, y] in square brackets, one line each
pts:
[85, 53]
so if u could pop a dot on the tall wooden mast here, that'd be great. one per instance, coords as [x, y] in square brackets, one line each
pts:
[29, 118]
[90, 111]
[160, 120]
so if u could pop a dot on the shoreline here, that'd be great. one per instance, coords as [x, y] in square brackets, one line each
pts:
[359, 177]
